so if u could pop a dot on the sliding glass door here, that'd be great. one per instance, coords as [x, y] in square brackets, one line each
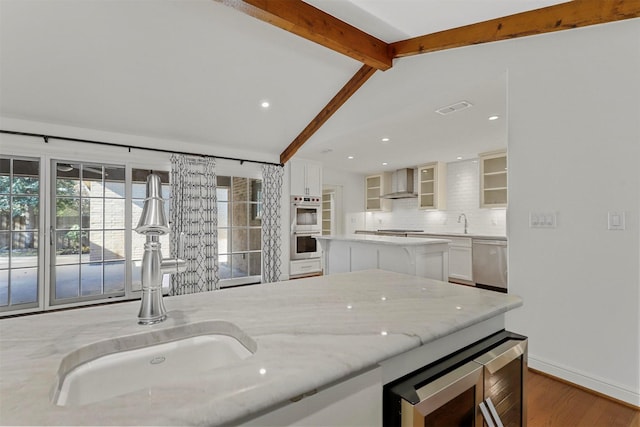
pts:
[88, 254]
[20, 233]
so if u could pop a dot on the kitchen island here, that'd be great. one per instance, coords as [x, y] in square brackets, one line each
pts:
[311, 334]
[355, 252]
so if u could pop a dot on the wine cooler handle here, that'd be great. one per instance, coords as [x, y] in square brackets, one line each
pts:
[487, 416]
[494, 413]
[490, 414]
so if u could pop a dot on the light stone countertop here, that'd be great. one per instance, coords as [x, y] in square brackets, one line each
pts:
[306, 337]
[383, 240]
[443, 235]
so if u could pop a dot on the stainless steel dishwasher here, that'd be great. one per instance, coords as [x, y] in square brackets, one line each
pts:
[490, 264]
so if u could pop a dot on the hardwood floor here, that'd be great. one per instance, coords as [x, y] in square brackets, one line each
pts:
[554, 403]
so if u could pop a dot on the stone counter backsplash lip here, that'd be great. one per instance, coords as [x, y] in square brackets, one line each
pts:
[309, 333]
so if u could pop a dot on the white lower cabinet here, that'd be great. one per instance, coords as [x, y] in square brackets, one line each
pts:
[354, 402]
[305, 266]
[460, 259]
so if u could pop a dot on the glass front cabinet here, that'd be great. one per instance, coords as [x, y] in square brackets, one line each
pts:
[432, 186]
[493, 179]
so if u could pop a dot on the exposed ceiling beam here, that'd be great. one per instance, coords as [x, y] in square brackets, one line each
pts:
[564, 16]
[313, 24]
[336, 102]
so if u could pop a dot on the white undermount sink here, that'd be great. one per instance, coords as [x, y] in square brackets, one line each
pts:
[153, 359]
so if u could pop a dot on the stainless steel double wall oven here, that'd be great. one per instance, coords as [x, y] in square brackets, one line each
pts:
[306, 224]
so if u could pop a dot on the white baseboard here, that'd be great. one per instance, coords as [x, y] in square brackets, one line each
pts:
[585, 380]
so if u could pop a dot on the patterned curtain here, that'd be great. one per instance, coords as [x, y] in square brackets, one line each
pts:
[271, 222]
[194, 212]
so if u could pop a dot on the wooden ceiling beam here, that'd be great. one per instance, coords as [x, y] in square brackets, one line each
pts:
[564, 16]
[336, 102]
[315, 25]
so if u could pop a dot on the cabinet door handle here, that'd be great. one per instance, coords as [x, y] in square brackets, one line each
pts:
[494, 412]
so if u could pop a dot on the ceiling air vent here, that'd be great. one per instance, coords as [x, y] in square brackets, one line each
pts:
[453, 108]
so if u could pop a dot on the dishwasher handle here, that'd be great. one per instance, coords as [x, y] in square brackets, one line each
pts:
[489, 242]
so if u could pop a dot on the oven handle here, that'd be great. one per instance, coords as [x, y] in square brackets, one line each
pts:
[308, 233]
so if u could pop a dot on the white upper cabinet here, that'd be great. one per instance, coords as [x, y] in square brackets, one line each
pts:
[376, 186]
[432, 186]
[493, 179]
[306, 178]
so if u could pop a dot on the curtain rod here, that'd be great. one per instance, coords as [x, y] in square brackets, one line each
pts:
[113, 144]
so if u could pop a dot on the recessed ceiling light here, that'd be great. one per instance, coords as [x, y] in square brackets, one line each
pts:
[384, 163]
[494, 117]
[265, 104]
[350, 157]
[385, 139]
[459, 157]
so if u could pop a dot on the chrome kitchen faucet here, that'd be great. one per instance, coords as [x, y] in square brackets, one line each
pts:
[465, 221]
[153, 224]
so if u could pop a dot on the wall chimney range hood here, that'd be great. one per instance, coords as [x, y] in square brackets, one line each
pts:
[401, 185]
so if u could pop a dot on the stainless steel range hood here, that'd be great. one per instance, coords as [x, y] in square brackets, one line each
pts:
[401, 185]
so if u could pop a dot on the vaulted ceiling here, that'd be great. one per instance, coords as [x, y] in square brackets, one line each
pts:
[198, 70]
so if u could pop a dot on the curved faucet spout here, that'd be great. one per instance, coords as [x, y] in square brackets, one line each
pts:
[465, 222]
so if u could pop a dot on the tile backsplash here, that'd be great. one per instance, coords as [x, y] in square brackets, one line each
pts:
[463, 196]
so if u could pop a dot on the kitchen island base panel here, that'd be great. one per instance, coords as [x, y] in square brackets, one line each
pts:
[424, 258]
[354, 402]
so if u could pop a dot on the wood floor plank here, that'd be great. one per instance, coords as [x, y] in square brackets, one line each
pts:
[552, 403]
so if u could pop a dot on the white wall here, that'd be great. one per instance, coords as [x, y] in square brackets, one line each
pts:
[463, 196]
[574, 149]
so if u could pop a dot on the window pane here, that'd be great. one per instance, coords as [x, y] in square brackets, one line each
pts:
[240, 265]
[25, 185]
[224, 245]
[138, 190]
[24, 285]
[114, 189]
[5, 245]
[255, 264]
[93, 213]
[67, 247]
[91, 279]
[4, 287]
[114, 210]
[26, 168]
[113, 245]
[114, 277]
[223, 214]
[223, 182]
[256, 190]
[25, 210]
[67, 179]
[239, 239]
[5, 166]
[24, 251]
[5, 213]
[255, 214]
[255, 239]
[92, 249]
[67, 281]
[5, 183]
[240, 189]
[224, 267]
[239, 217]
[67, 213]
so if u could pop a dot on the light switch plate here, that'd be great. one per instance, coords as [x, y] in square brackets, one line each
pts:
[616, 220]
[542, 220]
